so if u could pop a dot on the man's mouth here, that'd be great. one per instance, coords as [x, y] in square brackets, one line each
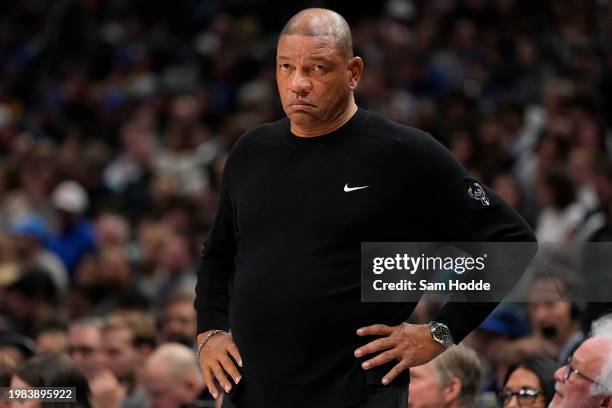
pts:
[300, 103]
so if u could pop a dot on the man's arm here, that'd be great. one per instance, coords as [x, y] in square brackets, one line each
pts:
[219, 354]
[216, 266]
[462, 210]
[468, 211]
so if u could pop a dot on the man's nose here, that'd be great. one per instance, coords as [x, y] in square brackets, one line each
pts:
[560, 374]
[299, 83]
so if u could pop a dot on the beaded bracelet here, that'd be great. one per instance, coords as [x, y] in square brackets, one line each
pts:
[203, 343]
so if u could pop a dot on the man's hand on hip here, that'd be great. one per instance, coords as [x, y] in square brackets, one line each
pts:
[218, 359]
[411, 345]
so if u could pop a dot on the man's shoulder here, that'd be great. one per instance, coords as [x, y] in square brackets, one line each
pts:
[383, 129]
[266, 132]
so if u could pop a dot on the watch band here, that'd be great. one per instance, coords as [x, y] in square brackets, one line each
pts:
[441, 333]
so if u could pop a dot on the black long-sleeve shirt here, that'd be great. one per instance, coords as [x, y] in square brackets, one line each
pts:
[281, 266]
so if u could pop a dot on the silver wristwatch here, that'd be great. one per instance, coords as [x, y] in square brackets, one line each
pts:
[441, 334]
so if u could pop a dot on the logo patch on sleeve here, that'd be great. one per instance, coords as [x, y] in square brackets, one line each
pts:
[477, 193]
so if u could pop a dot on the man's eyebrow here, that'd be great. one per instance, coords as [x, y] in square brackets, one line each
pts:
[310, 57]
[317, 58]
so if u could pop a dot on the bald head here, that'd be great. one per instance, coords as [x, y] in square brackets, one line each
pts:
[319, 22]
[171, 377]
[174, 359]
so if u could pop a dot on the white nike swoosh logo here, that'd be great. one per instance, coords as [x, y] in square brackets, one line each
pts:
[348, 189]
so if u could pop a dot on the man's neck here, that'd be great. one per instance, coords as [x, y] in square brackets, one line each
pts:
[327, 127]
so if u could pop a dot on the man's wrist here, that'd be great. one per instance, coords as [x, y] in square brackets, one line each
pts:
[441, 334]
[202, 335]
[203, 338]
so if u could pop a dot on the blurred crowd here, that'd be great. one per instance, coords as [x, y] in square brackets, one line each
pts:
[116, 118]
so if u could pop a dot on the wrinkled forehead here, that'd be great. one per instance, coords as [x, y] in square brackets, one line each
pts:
[592, 355]
[300, 46]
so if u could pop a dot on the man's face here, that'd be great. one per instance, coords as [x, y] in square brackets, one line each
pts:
[313, 79]
[549, 315]
[575, 392]
[424, 390]
[179, 322]
[122, 356]
[85, 348]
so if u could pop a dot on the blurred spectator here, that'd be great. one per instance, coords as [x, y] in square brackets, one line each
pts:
[16, 347]
[178, 320]
[30, 300]
[561, 213]
[29, 236]
[52, 370]
[509, 189]
[85, 346]
[581, 168]
[555, 322]
[51, 338]
[603, 186]
[490, 340]
[129, 175]
[128, 339]
[451, 380]
[596, 218]
[151, 239]
[585, 381]
[74, 235]
[106, 272]
[30, 198]
[529, 382]
[130, 167]
[175, 271]
[112, 231]
[177, 162]
[173, 379]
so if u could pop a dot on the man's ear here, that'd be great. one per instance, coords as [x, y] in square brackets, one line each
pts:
[355, 69]
[452, 390]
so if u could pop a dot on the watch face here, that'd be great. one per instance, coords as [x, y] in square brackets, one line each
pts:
[441, 333]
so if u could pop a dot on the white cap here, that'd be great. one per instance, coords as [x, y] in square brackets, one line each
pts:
[70, 196]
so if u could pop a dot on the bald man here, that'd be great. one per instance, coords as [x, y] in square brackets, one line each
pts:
[172, 378]
[298, 197]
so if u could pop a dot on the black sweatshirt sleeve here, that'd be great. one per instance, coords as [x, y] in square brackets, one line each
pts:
[465, 210]
[217, 264]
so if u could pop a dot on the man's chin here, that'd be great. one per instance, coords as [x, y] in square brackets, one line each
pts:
[556, 401]
[300, 117]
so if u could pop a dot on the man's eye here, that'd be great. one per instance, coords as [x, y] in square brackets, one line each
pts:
[284, 67]
[320, 68]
